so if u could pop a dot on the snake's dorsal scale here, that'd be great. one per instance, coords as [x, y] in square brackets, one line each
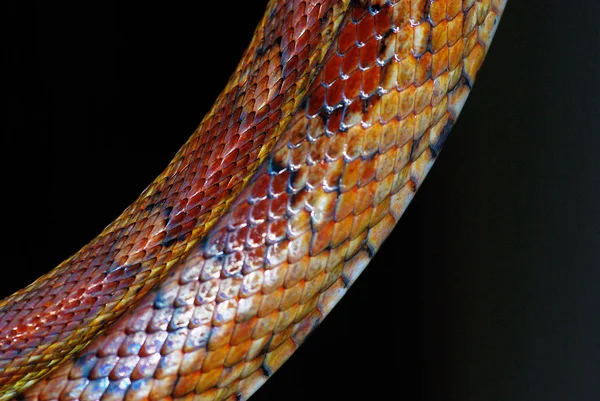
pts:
[59, 313]
[295, 209]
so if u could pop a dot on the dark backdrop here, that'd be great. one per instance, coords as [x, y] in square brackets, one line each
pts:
[496, 297]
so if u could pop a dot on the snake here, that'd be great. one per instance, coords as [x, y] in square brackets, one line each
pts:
[211, 279]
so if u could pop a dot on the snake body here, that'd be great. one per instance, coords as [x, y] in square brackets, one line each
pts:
[214, 276]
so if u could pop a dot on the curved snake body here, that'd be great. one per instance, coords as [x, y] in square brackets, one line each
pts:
[213, 277]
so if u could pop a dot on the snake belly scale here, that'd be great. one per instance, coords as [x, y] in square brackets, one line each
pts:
[214, 276]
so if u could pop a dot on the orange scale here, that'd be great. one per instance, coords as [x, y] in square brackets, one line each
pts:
[317, 149]
[256, 236]
[353, 113]
[423, 69]
[315, 101]
[331, 69]
[304, 66]
[350, 60]
[314, 14]
[287, 45]
[243, 332]
[264, 111]
[365, 29]
[299, 223]
[346, 38]
[439, 36]
[298, 248]
[334, 120]
[333, 175]
[302, 42]
[370, 81]
[279, 182]
[259, 188]
[453, 8]
[352, 86]
[258, 214]
[314, 37]
[367, 171]
[334, 94]
[383, 20]
[335, 148]
[290, 65]
[321, 239]
[440, 62]
[300, 11]
[276, 231]
[277, 207]
[358, 13]
[315, 175]
[345, 204]
[368, 53]
[227, 172]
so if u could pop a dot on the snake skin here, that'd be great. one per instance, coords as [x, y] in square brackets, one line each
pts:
[217, 273]
[59, 313]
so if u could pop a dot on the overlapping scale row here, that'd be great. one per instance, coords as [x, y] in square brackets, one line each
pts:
[59, 313]
[300, 232]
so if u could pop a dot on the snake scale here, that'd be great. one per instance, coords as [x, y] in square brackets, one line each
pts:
[211, 279]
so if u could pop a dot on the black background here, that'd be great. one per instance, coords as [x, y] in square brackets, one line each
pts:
[487, 289]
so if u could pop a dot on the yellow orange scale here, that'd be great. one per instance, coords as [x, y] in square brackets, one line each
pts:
[214, 276]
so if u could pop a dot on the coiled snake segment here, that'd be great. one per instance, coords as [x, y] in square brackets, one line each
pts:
[212, 278]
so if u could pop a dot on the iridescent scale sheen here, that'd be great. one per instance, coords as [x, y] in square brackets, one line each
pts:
[265, 217]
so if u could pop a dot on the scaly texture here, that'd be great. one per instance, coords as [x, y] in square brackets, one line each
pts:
[348, 155]
[57, 315]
